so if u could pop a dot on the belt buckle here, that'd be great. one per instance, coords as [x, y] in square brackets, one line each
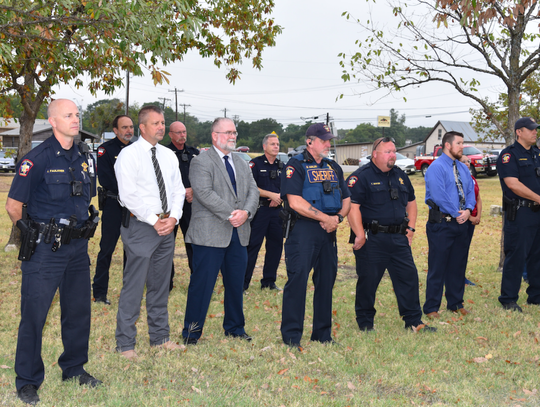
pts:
[448, 218]
[162, 215]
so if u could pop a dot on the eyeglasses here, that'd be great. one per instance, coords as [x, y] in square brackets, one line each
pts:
[384, 140]
[228, 133]
[178, 132]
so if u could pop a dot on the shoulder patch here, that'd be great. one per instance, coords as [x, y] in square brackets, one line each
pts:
[251, 164]
[289, 171]
[352, 181]
[25, 167]
[100, 151]
[506, 158]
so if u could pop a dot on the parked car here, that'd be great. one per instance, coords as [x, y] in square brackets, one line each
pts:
[297, 150]
[243, 156]
[480, 163]
[495, 151]
[404, 163]
[283, 157]
[7, 164]
[243, 149]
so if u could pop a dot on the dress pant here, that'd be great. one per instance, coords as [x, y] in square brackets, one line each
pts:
[68, 270]
[184, 225]
[207, 261]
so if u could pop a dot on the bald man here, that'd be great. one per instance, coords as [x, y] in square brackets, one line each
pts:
[50, 195]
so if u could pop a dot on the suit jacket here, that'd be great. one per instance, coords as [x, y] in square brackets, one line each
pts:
[214, 200]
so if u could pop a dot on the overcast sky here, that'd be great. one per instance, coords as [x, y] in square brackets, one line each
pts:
[301, 77]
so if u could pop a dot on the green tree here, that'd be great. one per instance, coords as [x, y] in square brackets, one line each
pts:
[260, 128]
[456, 43]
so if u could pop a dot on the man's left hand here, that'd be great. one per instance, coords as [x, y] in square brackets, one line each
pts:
[189, 195]
[463, 216]
[410, 235]
[165, 226]
[238, 217]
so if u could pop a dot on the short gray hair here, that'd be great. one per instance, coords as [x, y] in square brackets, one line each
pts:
[265, 139]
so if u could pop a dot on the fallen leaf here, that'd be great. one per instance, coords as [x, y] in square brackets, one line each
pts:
[351, 386]
[517, 334]
[480, 360]
[489, 356]
[282, 371]
[5, 367]
[194, 369]
[482, 337]
[196, 389]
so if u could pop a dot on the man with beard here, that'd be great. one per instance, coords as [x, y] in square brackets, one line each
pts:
[150, 187]
[450, 196]
[225, 199]
[111, 216]
[519, 171]
[184, 153]
[315, 191]
[382, 219]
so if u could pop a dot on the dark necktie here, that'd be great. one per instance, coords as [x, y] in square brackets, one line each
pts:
[459, 185]
[161, 183]
[230, 171]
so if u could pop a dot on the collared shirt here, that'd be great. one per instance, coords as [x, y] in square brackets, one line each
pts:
[371, 189]
[188, 153]
[517, 162]
[441, 185]
[266, 175]
[106, 157]
[221, 155]
[137, 185]
[43, 181]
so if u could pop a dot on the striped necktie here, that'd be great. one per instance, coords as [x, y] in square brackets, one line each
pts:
[231, 172]
[161, 183]
[459, 185]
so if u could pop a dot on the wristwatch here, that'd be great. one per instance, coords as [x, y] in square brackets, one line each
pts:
[411, 229]
[340, 218]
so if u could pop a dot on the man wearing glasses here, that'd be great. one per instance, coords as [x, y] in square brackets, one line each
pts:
[184, 153]
[382, 219]
[225, 199]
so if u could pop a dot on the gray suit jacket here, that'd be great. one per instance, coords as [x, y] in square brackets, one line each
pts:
[214, 200]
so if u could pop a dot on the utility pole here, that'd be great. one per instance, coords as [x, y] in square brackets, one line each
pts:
[164, 99]
[176, 99]
[127, 93]
[236, 119]
[184, 105]
[224, 112]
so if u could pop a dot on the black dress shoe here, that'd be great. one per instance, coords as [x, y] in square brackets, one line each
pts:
[271, 286]
[28, 394]
[244, 336]
[84, 379]
[367, 328]
[104, 300]
[190, 341]
[512, 306]
[425, 328]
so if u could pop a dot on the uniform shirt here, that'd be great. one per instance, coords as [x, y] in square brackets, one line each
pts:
[263, 172]
[292, 179]
[517, 162]
[370, 188]
[137, 185]
[107, 154]
[441, 185]
[184, 157]
[43, 181]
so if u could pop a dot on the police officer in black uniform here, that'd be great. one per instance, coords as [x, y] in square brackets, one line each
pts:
[49, 201]
[111, 209]
[518, 166]
[266, 171]
[382, 218]
[184, 153]
[315, 191]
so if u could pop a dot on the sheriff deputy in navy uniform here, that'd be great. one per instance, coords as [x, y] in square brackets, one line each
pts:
[111, 216]
[266, 171]
[382, 218]
[519, 172]
[184, 153]
[316, 192]
[49, 201]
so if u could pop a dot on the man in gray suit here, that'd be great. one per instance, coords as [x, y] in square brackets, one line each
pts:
[225, 199]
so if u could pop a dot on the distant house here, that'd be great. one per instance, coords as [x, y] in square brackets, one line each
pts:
[9, 133]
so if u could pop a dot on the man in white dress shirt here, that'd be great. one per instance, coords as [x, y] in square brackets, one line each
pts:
[150, 187]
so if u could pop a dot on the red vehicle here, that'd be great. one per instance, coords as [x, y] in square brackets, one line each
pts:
[480, 163]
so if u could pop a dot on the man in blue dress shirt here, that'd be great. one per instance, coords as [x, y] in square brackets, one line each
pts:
[450, 196]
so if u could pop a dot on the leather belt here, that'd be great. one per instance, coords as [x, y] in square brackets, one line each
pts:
[159, 215]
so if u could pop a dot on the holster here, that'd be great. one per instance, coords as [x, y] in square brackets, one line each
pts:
[126, 216]
[91, 223]
[289, 219]
[435, 214]
[29, 236]
[102, 196]
[510, 207]
[67, 229]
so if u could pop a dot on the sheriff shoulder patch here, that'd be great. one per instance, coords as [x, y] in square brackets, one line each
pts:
[100, 151]
[25, 167]
[289, 171]
[251, 164]
[352, 181]
[506, 158]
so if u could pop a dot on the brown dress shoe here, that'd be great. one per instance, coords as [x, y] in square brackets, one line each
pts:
[130, 354]
[433, 315]
[170, 345]
[462, 311]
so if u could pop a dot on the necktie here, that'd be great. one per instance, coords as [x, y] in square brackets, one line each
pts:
[161, 184]
[459, 185]
[230, 171]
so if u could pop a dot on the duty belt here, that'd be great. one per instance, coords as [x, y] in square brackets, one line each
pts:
[447, 217]
[267, 202]
[392, 229]
[527, 203]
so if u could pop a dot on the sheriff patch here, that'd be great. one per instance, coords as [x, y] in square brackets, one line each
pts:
[506, 158]
[84, 167]
[100, 151]
[25, 167]
[289, 171]
[320, 175]
[352, 181]
[401, 181]
[251, 164]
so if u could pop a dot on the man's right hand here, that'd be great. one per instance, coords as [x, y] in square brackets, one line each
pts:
[330, 223]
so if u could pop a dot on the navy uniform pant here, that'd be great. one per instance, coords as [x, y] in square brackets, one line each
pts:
[67, 270]
[111, 221]
[266, 223]
[447, 261]
[207, 261]
[309, 247]
[391, 252]
[184, 225]
[521, 247]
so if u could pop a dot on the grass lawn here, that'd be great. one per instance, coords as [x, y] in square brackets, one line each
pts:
[488, 358]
